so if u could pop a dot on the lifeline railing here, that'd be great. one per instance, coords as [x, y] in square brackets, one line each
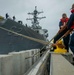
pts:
[41, 66]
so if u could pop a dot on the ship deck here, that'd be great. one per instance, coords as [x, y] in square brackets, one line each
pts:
[26, 63]
[57, 64]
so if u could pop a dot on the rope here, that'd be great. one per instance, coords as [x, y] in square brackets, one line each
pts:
[48, 42]
[42, 48]
[30, 38]
[49, 48]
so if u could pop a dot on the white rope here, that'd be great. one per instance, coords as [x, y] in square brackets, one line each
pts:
[30, 38]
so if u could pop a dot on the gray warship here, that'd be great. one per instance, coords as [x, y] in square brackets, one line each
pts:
[11, 31]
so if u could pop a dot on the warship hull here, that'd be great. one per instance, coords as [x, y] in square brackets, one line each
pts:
[10, 42]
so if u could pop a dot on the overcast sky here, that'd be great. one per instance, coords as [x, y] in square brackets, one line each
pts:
[53, 10]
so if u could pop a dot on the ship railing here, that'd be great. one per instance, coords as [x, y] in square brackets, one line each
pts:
[53, 64]
[41, 67]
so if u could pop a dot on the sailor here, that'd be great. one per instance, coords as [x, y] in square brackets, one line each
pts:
[72, 26]
[14, 18]
[7, 15]
[65, 30]
[63, 22]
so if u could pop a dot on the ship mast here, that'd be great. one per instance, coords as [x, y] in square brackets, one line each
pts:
[35, 23]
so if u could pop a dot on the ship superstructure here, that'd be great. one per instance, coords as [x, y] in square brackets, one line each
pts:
[35, 23]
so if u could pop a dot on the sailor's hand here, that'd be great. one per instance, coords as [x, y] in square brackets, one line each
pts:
[63, 28]
[53, 45]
